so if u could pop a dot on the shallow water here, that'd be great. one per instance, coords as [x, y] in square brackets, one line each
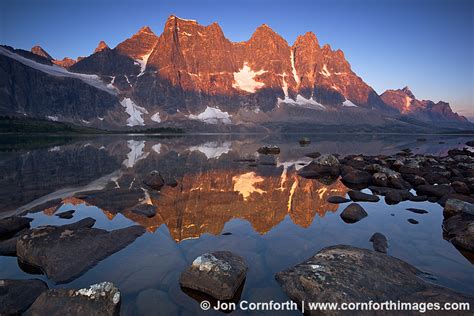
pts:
[276, 218]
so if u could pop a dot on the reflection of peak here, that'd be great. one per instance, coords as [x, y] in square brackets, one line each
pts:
[135, 154]
[212, 149]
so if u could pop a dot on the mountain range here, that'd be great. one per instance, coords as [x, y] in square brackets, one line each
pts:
[192, 76]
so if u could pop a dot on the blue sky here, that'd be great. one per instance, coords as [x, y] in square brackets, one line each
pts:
[425, 44]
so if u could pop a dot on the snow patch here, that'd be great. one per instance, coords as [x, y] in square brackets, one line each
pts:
[295, 75]
[156, 148]
[407, 103]
[244, 79]
[186, 33]
[58, 71]
[302, 101]
[100, 118]
[325, 71]
[156, 117]
[348, 103]
[142, 63]
[176, 17]
[52, 118]
[212, 149]
[134, 111]
[212, 116]
[135, 154]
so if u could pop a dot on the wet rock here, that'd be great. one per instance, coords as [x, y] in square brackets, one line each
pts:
[353, 213]
[8, 246]
[434, 190]
[147, 210]
[325, 164]
[218, 274]
[455, 206]
[305, 141]
[379, 242]
[393, 197]
[65, 252]
[412, 221]
[418, 198]
[154, 180]
[98, 299]
[349, 274]
[17, 295]
[11, 225]
[269, 150]
[66, 214]
[337, 199]
[357, 196]
[460, 187]
[462, 197]
[417, 210]
[380, 179]
[459, 230]
[414, 179]
[357, 177]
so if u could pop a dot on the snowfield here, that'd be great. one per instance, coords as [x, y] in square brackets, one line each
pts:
[212, 116]
[244, 79]
[134, 111]
[348, 103]
[58, 71]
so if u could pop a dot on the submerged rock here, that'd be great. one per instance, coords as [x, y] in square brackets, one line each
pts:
[66, 214]
[147, 210]
[218, 274]
[65, 252]
[17, 295]
[357, 196]
[11, 225]
[379, 242]
[98, 299]
[417, 210]
[269, 150]
[353, 213]
[154, 180]
[349, 274]
[412, 221]
[337, 199]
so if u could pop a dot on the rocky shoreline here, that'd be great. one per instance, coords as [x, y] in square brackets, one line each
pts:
[339, 273]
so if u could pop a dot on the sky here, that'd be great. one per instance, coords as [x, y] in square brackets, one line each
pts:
[424, 44]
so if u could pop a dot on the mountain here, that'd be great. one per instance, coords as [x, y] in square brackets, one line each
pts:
[38, 50]
[192, 76]
[405, 102]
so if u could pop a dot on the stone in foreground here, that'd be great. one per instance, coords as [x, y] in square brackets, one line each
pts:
[11, 225]
[337, 199]
[455, 206]
[357, 196]
[379, 242]
[218, 274]
[17, 295]
[459, 230]
[65, 252]
[349, 274]
[98, 299]
[353, 213]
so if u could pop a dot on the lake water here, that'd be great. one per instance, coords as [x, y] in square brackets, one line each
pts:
[220, 200]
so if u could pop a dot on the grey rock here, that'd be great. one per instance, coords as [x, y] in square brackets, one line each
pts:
[17, 295]
[154, 180]
[218, 274]
[349, 274]
[353, 213]
[434, 190]
[324, 164]
[337, 199]
[65, 252]
[455, 206]
[379, 242]
[11, 225]
[66, 214]
[98, 299]
[269, 150]
[357, 196]
[147, 210]
[459, 230]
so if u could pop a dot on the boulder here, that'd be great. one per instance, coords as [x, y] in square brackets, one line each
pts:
[66, 214]
[380, 179]
[147, 210]
[357, 196]
[349, 274]
[65, 252]
[8, 246]
[337, 199]
[218, 274]
[154, 180]
[11, 225]
[393, 197]
[455, 206]
[357, 177]
[460, 187]
[325, 164]
[434, 190]
[379, 242]
[17, 295]
[98, 299]
[353, 213]
[459, 230]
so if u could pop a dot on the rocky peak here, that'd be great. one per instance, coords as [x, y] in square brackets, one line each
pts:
[38, 50]
[408, 92]
[139, 45]
[145, 29]
[309, 39]
[101, 46]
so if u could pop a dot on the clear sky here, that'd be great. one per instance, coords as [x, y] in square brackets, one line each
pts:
[425, 44]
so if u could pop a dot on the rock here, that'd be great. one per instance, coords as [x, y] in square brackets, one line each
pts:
[459, 230]
[17, 295]
[418, 198]
[357, 196]
[65, 252]
[455, 206]
[218, 274]
[269, 150]
[337, 199]
[417, 210]
[11, 225]
[380, 179]
[434, 190]
[353, 213]
[393, 197]
[349, 274]
[413, 179]
[313, 155]
[462, 197]
[147, 210]
[324, 164]
[460, 187]
[98, 299]
[8, 247]
[66, 214]
[412, 221]
[154, 180]
[379, 242]
[305, 141]
[357, 177]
